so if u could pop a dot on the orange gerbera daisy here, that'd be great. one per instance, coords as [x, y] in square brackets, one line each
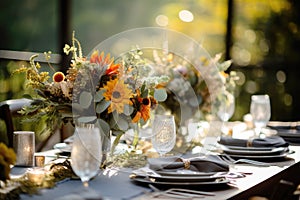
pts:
[118, 93]
[105, 60]
[143, 106]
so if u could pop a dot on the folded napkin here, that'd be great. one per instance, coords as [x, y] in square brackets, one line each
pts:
[272, 141]
[208, 163]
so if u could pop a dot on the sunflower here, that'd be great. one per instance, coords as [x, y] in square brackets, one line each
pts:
[118, 93]
[105, 60]
[143, 106]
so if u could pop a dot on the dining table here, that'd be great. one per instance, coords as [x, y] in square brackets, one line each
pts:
[269, 181]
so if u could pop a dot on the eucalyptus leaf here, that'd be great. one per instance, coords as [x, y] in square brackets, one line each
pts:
[128, 110]
[122, 123]
[99, 96]
[114, 119]
[104, 126]
[160, 95]
[102, 106]
[76, 108]
[87, 119]
[85, 99]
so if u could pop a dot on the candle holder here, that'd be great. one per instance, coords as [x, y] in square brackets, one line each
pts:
[39, 160]
[24, 146]
[36, 175]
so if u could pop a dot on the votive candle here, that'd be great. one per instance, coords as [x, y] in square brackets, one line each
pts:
[36, 175]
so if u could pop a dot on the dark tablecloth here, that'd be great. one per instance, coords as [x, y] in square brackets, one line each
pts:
[115, 187]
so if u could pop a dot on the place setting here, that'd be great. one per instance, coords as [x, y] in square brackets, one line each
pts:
[178, 171]
[290, 131]
[269, 148]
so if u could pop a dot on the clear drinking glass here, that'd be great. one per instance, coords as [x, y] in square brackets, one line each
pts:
[260, 110]
[163, 133]
[225, 111]
[226, 108]
[86, 152]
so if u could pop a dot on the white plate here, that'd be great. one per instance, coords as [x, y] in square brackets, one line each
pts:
[185, 173]
[63, 147]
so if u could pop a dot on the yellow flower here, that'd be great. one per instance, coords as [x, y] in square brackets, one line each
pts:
[118, 93]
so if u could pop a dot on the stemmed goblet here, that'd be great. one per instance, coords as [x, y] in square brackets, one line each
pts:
[163, 133]
[86, 152]
[260, 110]
[226, 110]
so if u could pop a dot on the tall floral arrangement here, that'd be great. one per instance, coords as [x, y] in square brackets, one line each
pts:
[193, 89]
[99, 89]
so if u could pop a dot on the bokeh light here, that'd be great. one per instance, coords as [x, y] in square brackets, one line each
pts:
[281, 76]
[288, 99]
[162, 20]
[186, 16]
[251, 87]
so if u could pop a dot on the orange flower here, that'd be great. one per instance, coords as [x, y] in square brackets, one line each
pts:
[103, 61]
[143, 106]
[118, 93]
[58, 77]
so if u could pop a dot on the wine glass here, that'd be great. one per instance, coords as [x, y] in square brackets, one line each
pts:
[163, 133]
[226, 110]
[260, 110]
[86, 152]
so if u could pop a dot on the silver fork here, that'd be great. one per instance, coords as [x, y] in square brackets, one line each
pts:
[179, 193]
[230, 160]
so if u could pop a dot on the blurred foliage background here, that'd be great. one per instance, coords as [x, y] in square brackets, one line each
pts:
[264, 44]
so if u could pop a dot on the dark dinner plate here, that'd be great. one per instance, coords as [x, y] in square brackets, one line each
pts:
[254, 152]
[187, 176]
[262, 157]
[183, 179]
[220, 181]
[289, 133]
[250, 148]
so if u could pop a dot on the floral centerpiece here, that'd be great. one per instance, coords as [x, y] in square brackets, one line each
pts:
[200, 93]
[114, 93]
[120, 93]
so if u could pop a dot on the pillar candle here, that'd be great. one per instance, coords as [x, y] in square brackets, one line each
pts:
[24, 146]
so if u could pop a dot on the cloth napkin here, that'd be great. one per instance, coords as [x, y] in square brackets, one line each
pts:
[207, 163]
[272, 141]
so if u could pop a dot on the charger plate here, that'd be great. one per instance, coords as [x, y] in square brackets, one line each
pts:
[220, 181]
